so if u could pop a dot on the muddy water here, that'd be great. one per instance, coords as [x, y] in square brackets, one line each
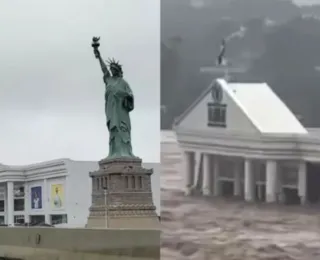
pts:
[214, 229]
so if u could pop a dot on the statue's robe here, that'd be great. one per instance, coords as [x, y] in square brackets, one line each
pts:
[119, 102]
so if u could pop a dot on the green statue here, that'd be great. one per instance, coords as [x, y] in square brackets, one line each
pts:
[119, 102]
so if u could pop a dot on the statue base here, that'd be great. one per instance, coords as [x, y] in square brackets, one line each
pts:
[122, 195]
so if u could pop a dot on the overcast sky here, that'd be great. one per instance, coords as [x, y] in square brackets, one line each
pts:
[306, 2]
[51, 88]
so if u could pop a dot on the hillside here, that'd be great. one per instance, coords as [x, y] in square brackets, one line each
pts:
[278, 46]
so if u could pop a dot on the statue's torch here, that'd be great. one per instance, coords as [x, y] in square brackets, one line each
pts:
[95, 45]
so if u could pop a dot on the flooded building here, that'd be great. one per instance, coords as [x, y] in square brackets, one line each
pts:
[240, 139]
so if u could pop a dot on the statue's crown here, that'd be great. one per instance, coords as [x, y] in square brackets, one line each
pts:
[113, 63]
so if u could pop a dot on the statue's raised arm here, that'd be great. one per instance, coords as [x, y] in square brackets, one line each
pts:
[95, 45]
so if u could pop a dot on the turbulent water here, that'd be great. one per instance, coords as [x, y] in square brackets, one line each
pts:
[214, 229]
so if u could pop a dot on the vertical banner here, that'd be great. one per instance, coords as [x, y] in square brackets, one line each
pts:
[57, 196]
[36, 197]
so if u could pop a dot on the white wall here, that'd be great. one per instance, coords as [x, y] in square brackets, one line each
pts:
[79, 187]
[236, 120]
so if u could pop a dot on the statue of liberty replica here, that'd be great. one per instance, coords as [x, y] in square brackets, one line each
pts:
[119, 102]
[121, 188]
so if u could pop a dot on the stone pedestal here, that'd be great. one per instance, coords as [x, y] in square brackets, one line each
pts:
[122, 195]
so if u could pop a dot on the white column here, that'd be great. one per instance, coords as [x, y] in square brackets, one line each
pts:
[280, 191]
[10, 203]
[302, 182]
[271, 181]
[197, 171]
[188, 160]
[249, 181]
[237, 179]
[27, 203]
[46, 202]
[216, 173]
[206, 189]
[5, 206]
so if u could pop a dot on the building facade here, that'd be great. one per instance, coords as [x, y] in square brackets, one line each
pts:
[240, 139]
[54, 192]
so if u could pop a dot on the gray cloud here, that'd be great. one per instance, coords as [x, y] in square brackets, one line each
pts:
[51, 89]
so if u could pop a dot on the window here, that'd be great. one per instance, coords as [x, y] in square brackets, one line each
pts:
[19, 192]
[1, 205]
[217, 115]
[2, 193]
[19, 219]
[18, 204]
[59, 219]
[2, 220]
[37, 219]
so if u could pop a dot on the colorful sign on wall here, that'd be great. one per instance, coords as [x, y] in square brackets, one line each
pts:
[57, 196]
[36, 197]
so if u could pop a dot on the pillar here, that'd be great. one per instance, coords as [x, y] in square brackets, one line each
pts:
[197, 158]
[302, 182]
[188, 160]
[280, 192]
[216, 182]
[206, 188]
[249, 181]
[271, 181]
[27, 203]
[46, 202]
[237, 179]
[10, 203]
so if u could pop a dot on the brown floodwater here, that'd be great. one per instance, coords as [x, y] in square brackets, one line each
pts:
[220, 229]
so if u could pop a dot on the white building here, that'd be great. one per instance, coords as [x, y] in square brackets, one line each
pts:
[54, 192]
[240, 139]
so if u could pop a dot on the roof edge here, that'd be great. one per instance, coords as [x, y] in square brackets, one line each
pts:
[29, 167]
[180, 118]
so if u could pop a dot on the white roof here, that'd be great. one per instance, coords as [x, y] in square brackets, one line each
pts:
[267, 112]
[263, 107]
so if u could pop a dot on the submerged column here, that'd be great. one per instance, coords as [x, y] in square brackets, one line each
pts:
[271, 181]
[206, 189]
[249, 181]
[237, 179]
[188, 160]
[302, 182]
[216, 174]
